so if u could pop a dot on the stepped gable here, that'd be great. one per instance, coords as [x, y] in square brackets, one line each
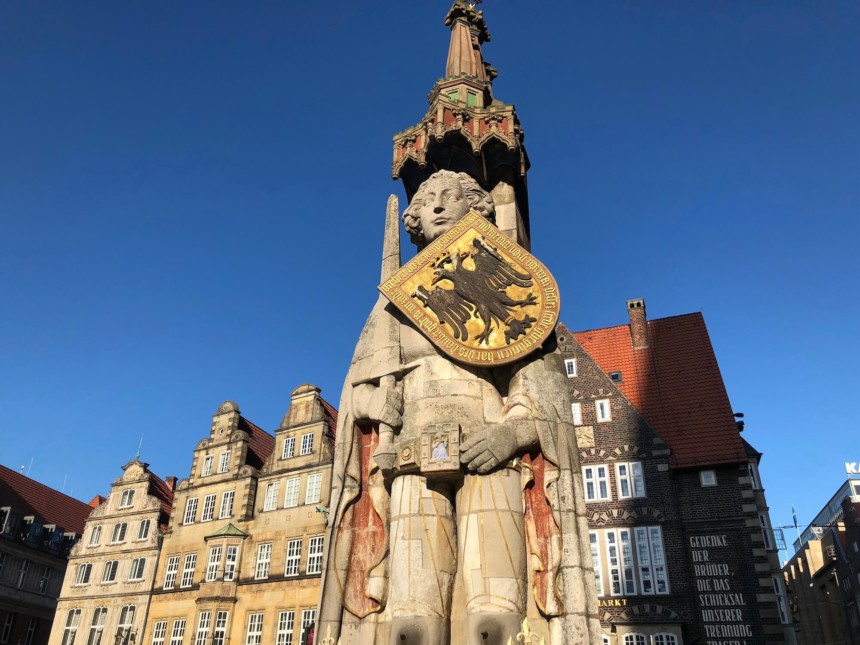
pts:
[28, 496]
[260, 443]
[675, 382]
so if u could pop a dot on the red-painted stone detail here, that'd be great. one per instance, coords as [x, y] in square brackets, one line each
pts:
[543, 532]
[367, 542]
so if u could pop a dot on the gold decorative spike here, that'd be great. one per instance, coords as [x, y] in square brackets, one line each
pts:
[526, 636]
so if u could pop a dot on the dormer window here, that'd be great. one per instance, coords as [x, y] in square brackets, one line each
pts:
[127, 499]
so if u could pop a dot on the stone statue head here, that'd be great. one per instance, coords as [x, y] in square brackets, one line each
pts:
[441, 201]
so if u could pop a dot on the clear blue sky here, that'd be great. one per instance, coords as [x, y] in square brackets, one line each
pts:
[192, 199]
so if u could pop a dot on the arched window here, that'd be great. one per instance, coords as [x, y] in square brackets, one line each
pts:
[665, 639]
[635, 639]
[606, 640]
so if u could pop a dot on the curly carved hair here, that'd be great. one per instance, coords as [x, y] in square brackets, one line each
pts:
[479, 200]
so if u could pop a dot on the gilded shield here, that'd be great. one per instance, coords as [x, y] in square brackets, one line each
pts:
[477, 295]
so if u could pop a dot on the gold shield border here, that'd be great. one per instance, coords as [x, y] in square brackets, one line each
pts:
[425, 321]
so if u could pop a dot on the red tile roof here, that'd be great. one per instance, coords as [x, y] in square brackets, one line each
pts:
[260, 444]
[330, 415]
[29, 497]
[164, 493]
[676, 384]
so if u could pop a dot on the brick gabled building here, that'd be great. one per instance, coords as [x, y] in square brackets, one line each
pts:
[680, 535]
[38, 527]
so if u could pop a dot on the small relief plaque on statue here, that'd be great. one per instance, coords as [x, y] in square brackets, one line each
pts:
[440, 450]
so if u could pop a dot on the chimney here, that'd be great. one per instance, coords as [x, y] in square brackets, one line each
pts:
[638, 323]
[171, 483]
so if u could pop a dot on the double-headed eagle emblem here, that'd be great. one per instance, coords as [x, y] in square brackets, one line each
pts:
[477, 295]
[479, 290]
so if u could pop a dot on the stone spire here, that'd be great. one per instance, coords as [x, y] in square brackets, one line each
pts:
[466, 129]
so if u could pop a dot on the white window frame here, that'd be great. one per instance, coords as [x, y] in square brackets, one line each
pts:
[137, 570]
[119, 531]
[313, 488]
[309, 617]
[595, 481]
[286, 624]
[219, 634]
[143, 529]
[227, 498]
[621, 564]
[126, 499]
[781, 604]
[171, 570]
[204, 622]
[206, 470]
[273, 492]
[665, 638]
[766, 531]
[289, 449]
[294, 557]
[630, 475]
[576, 413]
[755, 476]
[188, 566]
[570, 367]
[224, 462]
[177, 634]
[231, 561]
[97, 625]
[264, 561]
[315, 555]
[653, 576]
[83, 574]
[292, 487]
[603, 410]
[95, 535]
[254, 633]
[109, 571]
[596, 560]
[73, 621]
[190, 514]
[214, 563]
[208, 508]
[707, 478]
[307, 446]
[635, 638]
[126, 617]
[159, 632]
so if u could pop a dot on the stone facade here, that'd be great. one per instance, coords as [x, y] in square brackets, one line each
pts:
[242, 556]
[680, 548]
[38, 528]
[105, 595]
[823, 575]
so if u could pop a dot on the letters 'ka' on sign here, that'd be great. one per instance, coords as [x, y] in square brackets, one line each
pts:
[477, 295]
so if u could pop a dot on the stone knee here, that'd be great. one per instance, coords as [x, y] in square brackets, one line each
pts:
[419, 630]
[485, 628]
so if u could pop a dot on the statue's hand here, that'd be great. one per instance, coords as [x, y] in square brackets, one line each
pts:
[376, 403]
[483, 450]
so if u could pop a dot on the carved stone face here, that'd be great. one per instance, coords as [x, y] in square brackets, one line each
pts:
[442, 204]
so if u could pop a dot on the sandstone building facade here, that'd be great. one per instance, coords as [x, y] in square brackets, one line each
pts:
[242, 556]
[106, 592]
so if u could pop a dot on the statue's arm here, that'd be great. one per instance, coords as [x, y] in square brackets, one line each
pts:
[533, 385]
[377, 404]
